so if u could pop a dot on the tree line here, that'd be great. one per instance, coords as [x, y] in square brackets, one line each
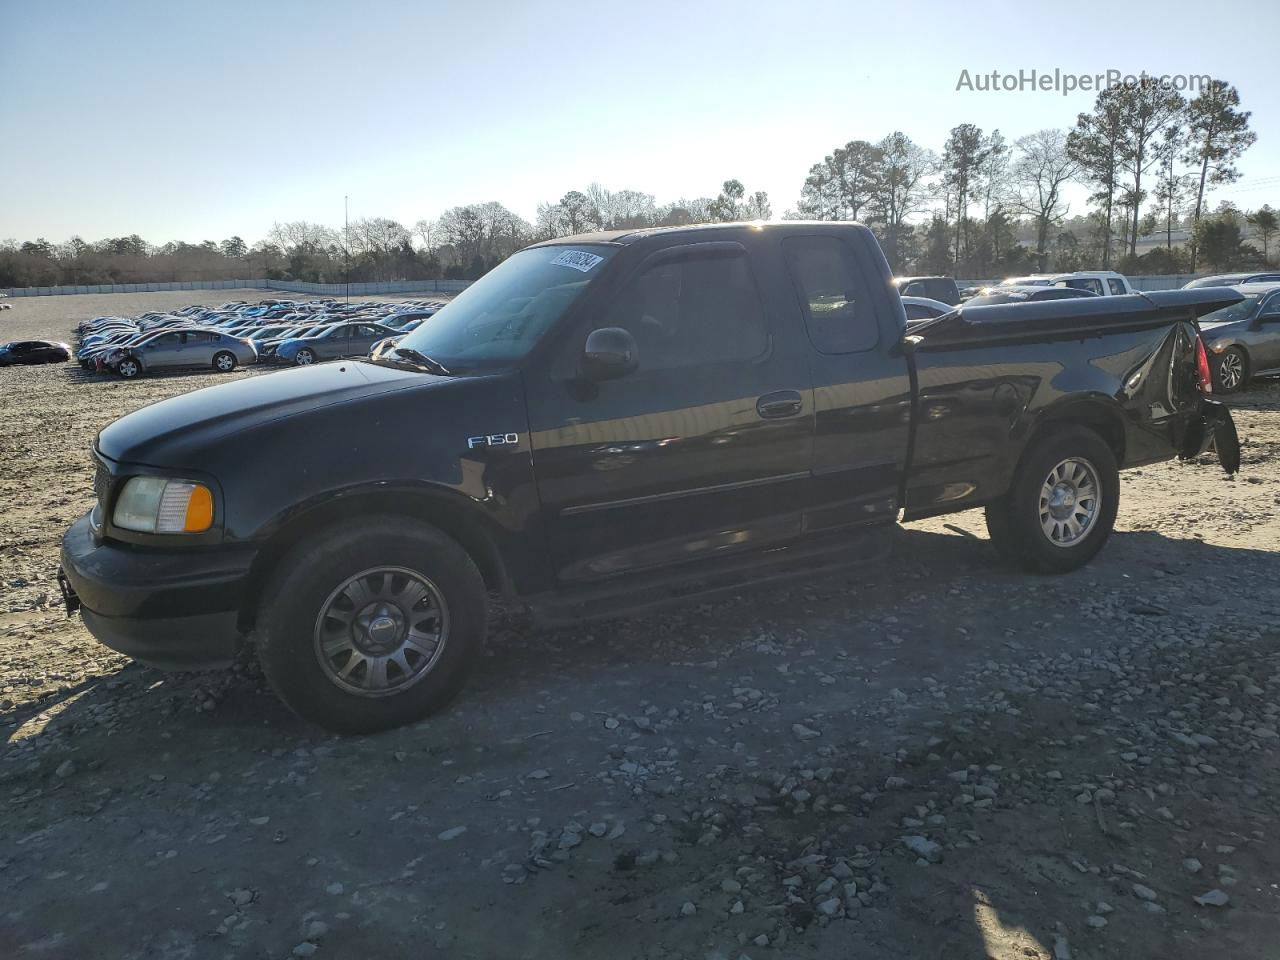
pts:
[980, 207]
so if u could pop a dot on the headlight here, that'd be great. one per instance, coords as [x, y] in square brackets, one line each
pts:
[159, 505]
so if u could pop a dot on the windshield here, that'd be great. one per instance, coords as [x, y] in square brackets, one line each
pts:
[498, 319]
[1237, 311]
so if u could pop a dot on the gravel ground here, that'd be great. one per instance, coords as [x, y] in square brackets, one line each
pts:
[932, 757]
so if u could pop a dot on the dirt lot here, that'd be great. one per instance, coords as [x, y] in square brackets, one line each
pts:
[934, 757]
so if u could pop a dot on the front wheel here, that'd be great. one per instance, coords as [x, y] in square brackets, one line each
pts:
[1233, 371]
[224, 361]
[1062, 504]
[305, 357]
[372, 624]
[128, 368]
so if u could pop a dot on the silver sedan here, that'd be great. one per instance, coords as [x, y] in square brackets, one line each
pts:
[174, 349]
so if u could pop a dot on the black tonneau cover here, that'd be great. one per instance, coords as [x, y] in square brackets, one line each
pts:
[1081, 316]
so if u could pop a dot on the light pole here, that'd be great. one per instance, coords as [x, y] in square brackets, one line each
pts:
[346, 240]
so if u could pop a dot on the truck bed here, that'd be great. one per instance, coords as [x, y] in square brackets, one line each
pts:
[1124, 365]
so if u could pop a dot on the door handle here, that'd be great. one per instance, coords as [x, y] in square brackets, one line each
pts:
[784, 403]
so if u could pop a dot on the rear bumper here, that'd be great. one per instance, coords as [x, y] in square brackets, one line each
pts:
[176, 609]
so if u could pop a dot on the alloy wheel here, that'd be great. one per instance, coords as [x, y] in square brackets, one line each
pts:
[381, 631]
[1231, 370]
[1070, 499]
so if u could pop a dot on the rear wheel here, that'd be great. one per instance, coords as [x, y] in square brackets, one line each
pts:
[372, 624]
[1062, 504]
[224, 361]
[128, 368]
[305, 357]
[1233, 371]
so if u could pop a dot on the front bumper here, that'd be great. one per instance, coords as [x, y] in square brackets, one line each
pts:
[175, 609]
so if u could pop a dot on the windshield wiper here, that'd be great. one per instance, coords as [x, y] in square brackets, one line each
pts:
[432, 365]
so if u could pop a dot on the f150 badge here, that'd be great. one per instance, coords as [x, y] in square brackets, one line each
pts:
[493, 440]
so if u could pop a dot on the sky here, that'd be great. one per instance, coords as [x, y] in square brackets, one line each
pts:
[198, 121]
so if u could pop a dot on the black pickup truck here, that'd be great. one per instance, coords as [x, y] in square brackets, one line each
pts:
[601, 422]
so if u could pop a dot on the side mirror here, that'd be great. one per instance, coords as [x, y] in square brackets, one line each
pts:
[609, 353]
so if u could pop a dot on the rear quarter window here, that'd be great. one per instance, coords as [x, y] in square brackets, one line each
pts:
[839, 313]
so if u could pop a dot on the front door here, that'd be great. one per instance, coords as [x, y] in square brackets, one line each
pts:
[702, 451]
[162, 351]
[1265, 348]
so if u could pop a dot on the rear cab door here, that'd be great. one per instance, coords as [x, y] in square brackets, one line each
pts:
[335, 343]
[199, 347]
[852, 323]
[364, 337]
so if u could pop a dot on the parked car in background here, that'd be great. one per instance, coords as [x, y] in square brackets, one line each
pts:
[1243, 339]
[942, 289]
[277, 332]
[923, 308]
[177, 349]
[403, 321]
[1104, 283]
[1232, 280]
[334, 343]
[1024, 293]
[33, 351]
[383, 346]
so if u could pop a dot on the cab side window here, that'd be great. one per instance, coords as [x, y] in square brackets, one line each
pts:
[1117, 288]
[838, 311]
[694, 310]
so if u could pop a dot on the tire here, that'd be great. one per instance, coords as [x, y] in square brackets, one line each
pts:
[305, 357]
[129, 368]
[371, 558]
[1042, 536]
[224, 361]
[1232, 372]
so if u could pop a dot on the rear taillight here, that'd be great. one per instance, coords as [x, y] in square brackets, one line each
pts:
[1204, 379]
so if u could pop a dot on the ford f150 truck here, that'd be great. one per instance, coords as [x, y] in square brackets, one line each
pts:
[599, 422]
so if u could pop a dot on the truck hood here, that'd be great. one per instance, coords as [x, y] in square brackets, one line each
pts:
[164, 434]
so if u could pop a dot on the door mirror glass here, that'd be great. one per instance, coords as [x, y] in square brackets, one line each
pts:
[609, 353]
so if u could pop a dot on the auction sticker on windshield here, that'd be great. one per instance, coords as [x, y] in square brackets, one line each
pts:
[578, 259]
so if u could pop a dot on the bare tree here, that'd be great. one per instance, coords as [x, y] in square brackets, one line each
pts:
[898, 189]
[295, 233]
[1043, 166]
[428, 231]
